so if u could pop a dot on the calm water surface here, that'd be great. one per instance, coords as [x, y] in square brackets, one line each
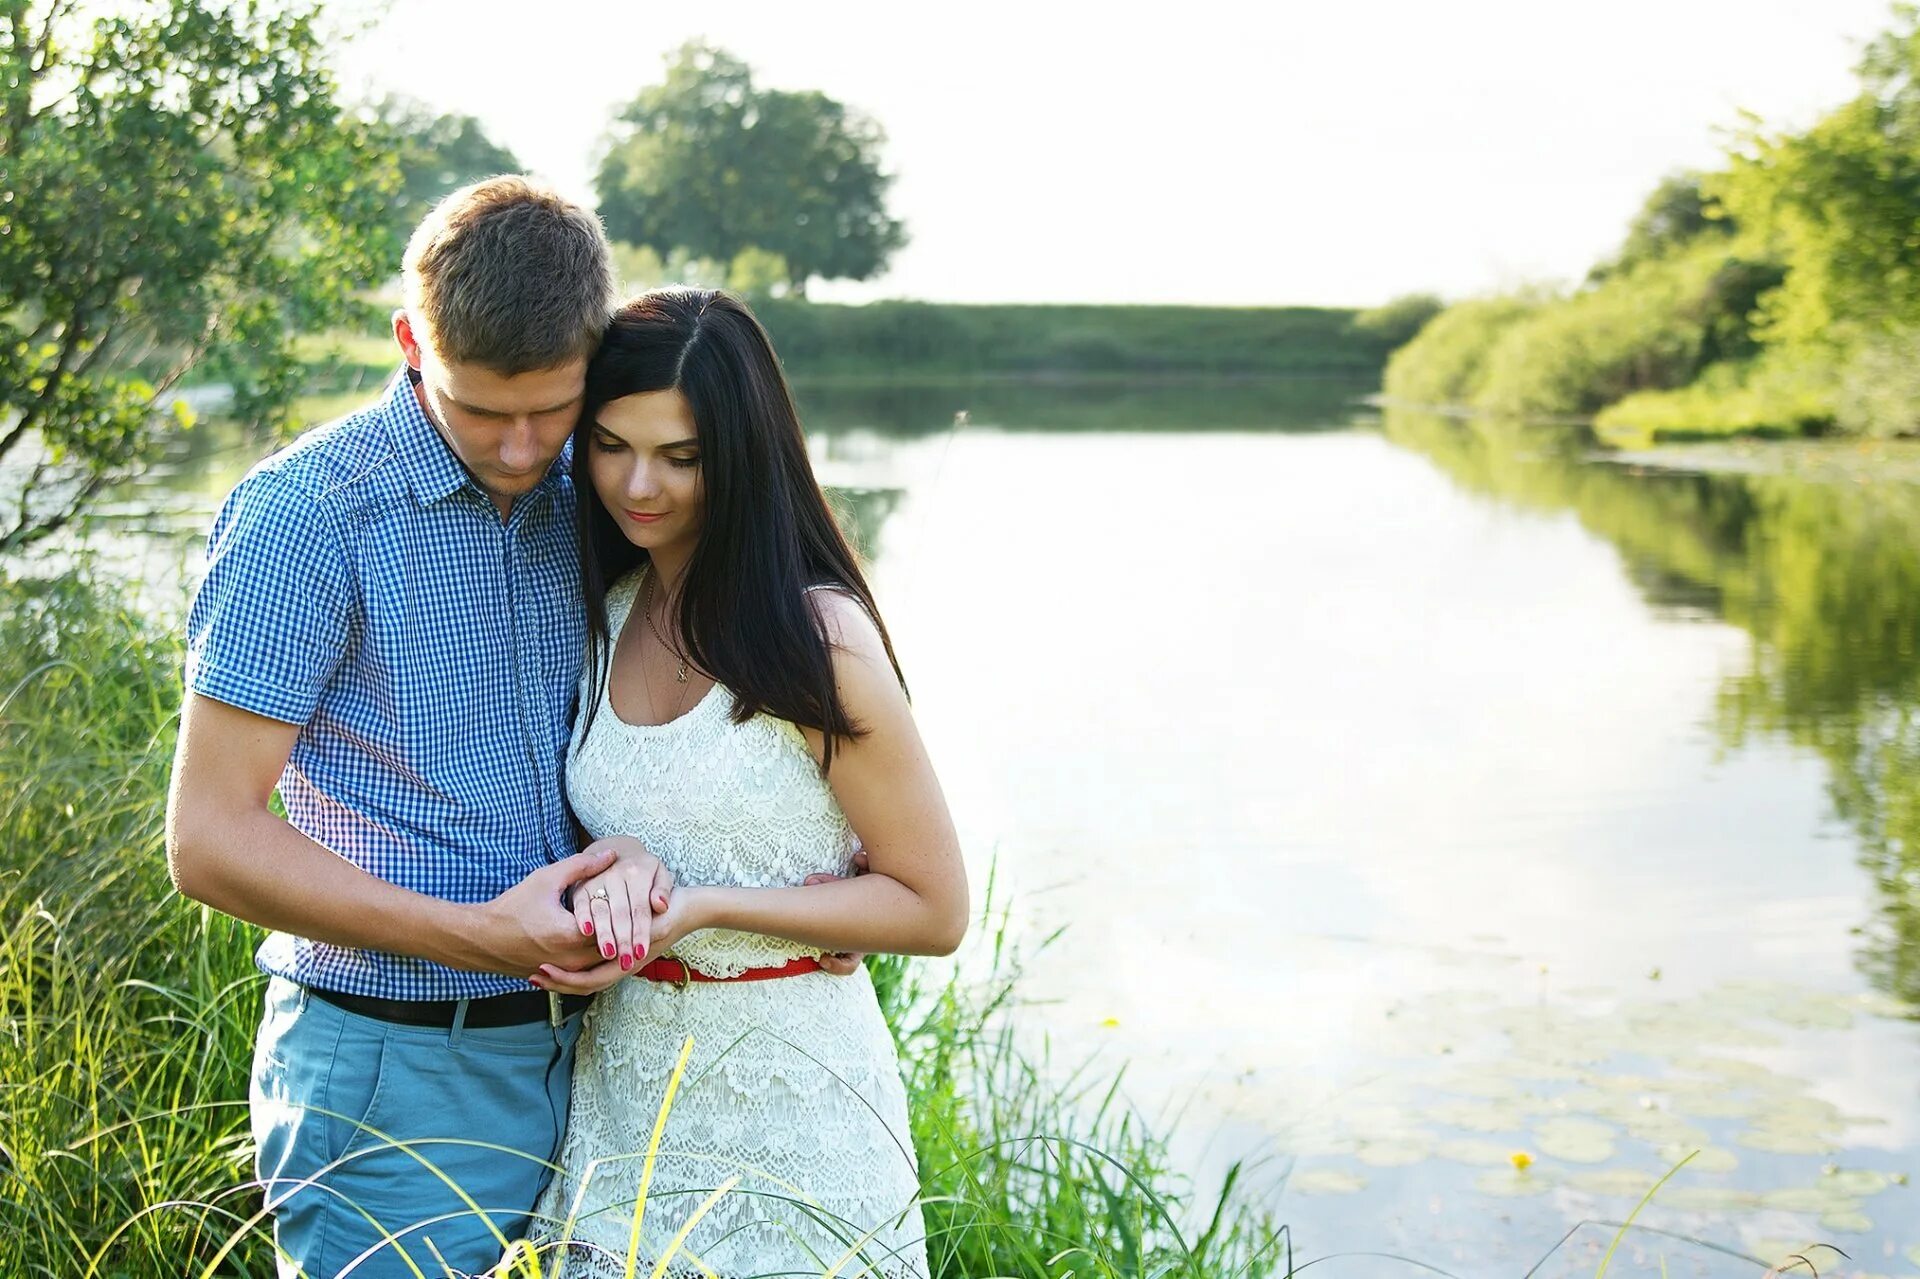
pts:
[1415, 794]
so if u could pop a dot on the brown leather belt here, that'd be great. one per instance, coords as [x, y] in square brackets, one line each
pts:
[515, 1008]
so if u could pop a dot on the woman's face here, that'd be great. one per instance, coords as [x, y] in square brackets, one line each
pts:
[644, 460]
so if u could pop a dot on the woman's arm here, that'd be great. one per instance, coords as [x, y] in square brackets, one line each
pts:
[914, 900]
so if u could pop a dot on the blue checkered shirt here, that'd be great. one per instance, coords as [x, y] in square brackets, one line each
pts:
[360, 585]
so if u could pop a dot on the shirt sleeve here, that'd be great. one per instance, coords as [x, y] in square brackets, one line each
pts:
[270, 621]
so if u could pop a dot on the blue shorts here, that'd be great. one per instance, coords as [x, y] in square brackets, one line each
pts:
[332, 1091]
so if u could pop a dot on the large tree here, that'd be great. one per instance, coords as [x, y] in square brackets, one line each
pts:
[1839, 204]
[711, 164]
[178, 192]
[436, 154]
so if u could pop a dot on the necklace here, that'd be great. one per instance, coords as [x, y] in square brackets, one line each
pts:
[646, 606]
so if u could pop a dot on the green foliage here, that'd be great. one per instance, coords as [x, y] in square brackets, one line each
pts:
[1652, 326]
[1879, 392]
[1780, 394]
[128, 1012]
[902, 338]
[1398, 322]
[1678, 213]
[435, 154]
[710, 163]
[177, 189]
[1840, 203]
[1445, 365]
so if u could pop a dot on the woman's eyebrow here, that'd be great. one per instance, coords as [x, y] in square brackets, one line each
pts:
[679, 444]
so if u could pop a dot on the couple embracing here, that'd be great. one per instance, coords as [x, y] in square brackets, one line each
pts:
[590, 739]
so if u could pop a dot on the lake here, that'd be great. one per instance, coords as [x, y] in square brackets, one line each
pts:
[1412, 794]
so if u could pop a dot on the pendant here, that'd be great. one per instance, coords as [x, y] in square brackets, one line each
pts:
[682, 675]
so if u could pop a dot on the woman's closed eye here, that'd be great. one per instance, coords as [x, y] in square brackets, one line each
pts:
[684, 463]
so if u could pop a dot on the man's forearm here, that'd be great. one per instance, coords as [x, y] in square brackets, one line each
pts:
[256, 867]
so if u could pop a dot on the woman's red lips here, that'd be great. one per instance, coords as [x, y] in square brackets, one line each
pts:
[646, 517]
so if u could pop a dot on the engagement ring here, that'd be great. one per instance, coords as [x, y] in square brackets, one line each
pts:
[599, 894]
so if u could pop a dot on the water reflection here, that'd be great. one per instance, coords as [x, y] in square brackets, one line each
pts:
[1823, 575]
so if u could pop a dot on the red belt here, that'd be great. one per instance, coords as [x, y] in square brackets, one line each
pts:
[680, 973]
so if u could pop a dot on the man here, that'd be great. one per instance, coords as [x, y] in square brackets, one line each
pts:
[389, 632]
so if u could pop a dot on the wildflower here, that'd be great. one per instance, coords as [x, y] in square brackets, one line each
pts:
[1521, 1160]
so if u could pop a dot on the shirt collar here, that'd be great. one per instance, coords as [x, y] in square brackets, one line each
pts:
[432, 471]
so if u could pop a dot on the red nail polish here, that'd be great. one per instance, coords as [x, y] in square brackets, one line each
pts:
[607, 950]
[626, 962]
[639, 952]
[586, 927]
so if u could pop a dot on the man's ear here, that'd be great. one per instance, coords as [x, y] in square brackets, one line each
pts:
[404, 335]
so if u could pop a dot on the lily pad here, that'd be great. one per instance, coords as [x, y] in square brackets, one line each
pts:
[1806, 1199]
[1659, 1128]
[1857, 1181]
[1853, 1223]
[1705, 1158]
[1732, 1069]
[1778, 1142]
[1478, 1116]
[1578, 1141]
[1707, 1198]
[1389, 1153]
[1624, 1183]
[1327, 1181]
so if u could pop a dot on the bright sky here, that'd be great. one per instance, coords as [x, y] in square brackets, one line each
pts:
[1206, 152]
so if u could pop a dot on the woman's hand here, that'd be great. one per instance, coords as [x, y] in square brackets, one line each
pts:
[617, 906]
[685, 913]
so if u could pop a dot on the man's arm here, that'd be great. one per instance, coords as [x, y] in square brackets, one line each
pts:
[227, 849]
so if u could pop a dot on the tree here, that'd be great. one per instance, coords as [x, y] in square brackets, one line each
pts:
[1399, 321]
[436, 154]
[178, 192]
[1679, 212]
[1839, 205]
[709, 163]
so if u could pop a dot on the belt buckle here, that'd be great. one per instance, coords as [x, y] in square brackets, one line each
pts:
[686, 974]
[554, 1015]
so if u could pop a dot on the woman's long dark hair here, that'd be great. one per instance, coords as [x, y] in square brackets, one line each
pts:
[743, 616]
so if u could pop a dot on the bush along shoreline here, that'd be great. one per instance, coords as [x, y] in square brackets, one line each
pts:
[1772, 297]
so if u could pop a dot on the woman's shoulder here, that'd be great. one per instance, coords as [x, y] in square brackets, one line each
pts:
[619, 600]
[848, 623]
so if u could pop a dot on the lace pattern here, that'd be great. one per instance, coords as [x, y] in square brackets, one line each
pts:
[793, 1084]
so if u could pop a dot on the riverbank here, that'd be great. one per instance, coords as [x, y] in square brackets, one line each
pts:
[1857, 462]
[888, 342]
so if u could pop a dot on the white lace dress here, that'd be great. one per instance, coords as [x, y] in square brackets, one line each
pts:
[793, 1084]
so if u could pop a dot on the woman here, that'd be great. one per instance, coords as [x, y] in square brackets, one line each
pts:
[742, 717]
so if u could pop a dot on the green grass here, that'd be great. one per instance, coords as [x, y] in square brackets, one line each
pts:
[129, 1017]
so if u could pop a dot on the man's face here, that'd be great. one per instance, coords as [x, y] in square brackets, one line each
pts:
[506, 431]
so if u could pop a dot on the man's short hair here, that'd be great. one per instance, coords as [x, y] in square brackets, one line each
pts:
[507, 274]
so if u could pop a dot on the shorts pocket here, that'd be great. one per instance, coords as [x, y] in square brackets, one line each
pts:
[356, 1087]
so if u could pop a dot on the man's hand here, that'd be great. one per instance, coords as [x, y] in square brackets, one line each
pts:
[528, 925]
[616, 906]
[845, 963]
[684, 914]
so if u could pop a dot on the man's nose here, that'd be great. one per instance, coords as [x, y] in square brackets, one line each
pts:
[520, 446]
